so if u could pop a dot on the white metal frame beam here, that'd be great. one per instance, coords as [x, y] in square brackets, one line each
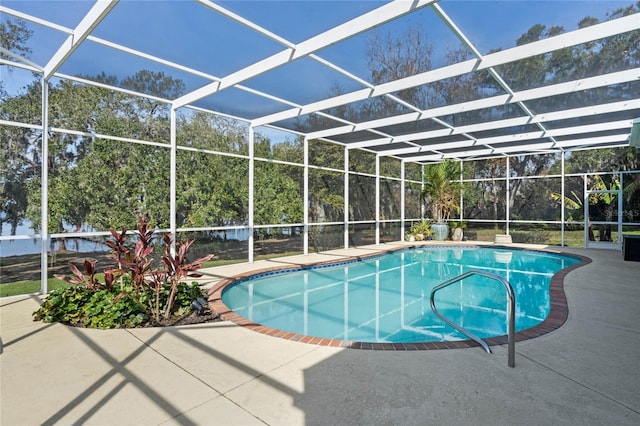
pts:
[348, 29]
[494, 74]
[584, 35]
[528, 136]
[91, 20]
[532, 148]
[494, 101]
[101, 8]
[499, 124]
[44, 189]
[346, 199]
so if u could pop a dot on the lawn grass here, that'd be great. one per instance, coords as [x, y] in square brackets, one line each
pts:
[29, 286]
[222, 262]
[274, 255]
[549, 237]
[33, 286]
[536, 236]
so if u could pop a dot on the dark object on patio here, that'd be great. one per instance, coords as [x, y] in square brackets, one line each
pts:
[200, 306]
[631, 247]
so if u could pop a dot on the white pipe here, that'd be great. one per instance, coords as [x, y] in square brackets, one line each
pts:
[562, 203]
[172, 179]
[251, 200]
[305, 197]
[402, 199]
[346, 197]
[377, 215]
[44, 200]
[508, 192]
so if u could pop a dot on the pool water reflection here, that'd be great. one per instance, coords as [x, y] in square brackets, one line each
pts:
[386, 298]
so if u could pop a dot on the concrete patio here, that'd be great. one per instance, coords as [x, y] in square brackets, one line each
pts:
[585, 373]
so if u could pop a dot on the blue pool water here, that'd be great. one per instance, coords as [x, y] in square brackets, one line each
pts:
[386, 298]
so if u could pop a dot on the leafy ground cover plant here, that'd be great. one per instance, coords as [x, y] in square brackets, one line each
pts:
[133, 294]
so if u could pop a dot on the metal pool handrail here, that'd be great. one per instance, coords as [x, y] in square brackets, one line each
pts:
[511, 314]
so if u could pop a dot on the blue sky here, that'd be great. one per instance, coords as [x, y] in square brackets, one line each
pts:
[188, 33]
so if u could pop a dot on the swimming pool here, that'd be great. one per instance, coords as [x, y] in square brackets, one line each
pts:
[385, 299]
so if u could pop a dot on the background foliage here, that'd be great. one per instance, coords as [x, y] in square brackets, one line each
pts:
[96, 183]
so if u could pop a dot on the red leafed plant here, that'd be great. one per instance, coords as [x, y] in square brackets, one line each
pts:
[177, 268]
[118, 245]
[88, 278]
[154, 290]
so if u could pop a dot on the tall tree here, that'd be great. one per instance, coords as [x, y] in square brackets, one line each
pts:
[19, 157]
[101, 183]
[14, 36]
[394, 56]
[212, 188]
[17, 162]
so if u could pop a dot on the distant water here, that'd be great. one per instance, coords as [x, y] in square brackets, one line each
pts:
[233, 234]
[17, 247]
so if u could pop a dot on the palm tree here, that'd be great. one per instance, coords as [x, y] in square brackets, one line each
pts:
[442, 191]
[604, 202]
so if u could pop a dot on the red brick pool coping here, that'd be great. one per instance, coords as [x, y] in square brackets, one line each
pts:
[557, 315]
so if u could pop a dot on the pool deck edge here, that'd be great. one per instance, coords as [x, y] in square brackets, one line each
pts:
[223, 374]
[557, 316]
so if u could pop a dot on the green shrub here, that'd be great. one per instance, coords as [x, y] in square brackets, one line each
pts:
[422, 227]
[109, 308]
[131, 295]
[63, 305]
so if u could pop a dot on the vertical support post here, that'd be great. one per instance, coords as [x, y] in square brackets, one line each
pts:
[422, 206]
[377, 215]
[305, 197]
[508, 196]
[346, 197]
[562, 204]
[377, 308]
[44, 197]
[402, 199]
[251, 201]
[620, 218]
[173, 227]
[461, 197]
[305, 303]
[585, 204]
[345, 308]
[403, 303]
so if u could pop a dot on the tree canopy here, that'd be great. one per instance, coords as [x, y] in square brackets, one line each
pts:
[97, 183]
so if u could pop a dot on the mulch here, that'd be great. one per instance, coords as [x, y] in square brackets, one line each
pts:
[189, 319]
